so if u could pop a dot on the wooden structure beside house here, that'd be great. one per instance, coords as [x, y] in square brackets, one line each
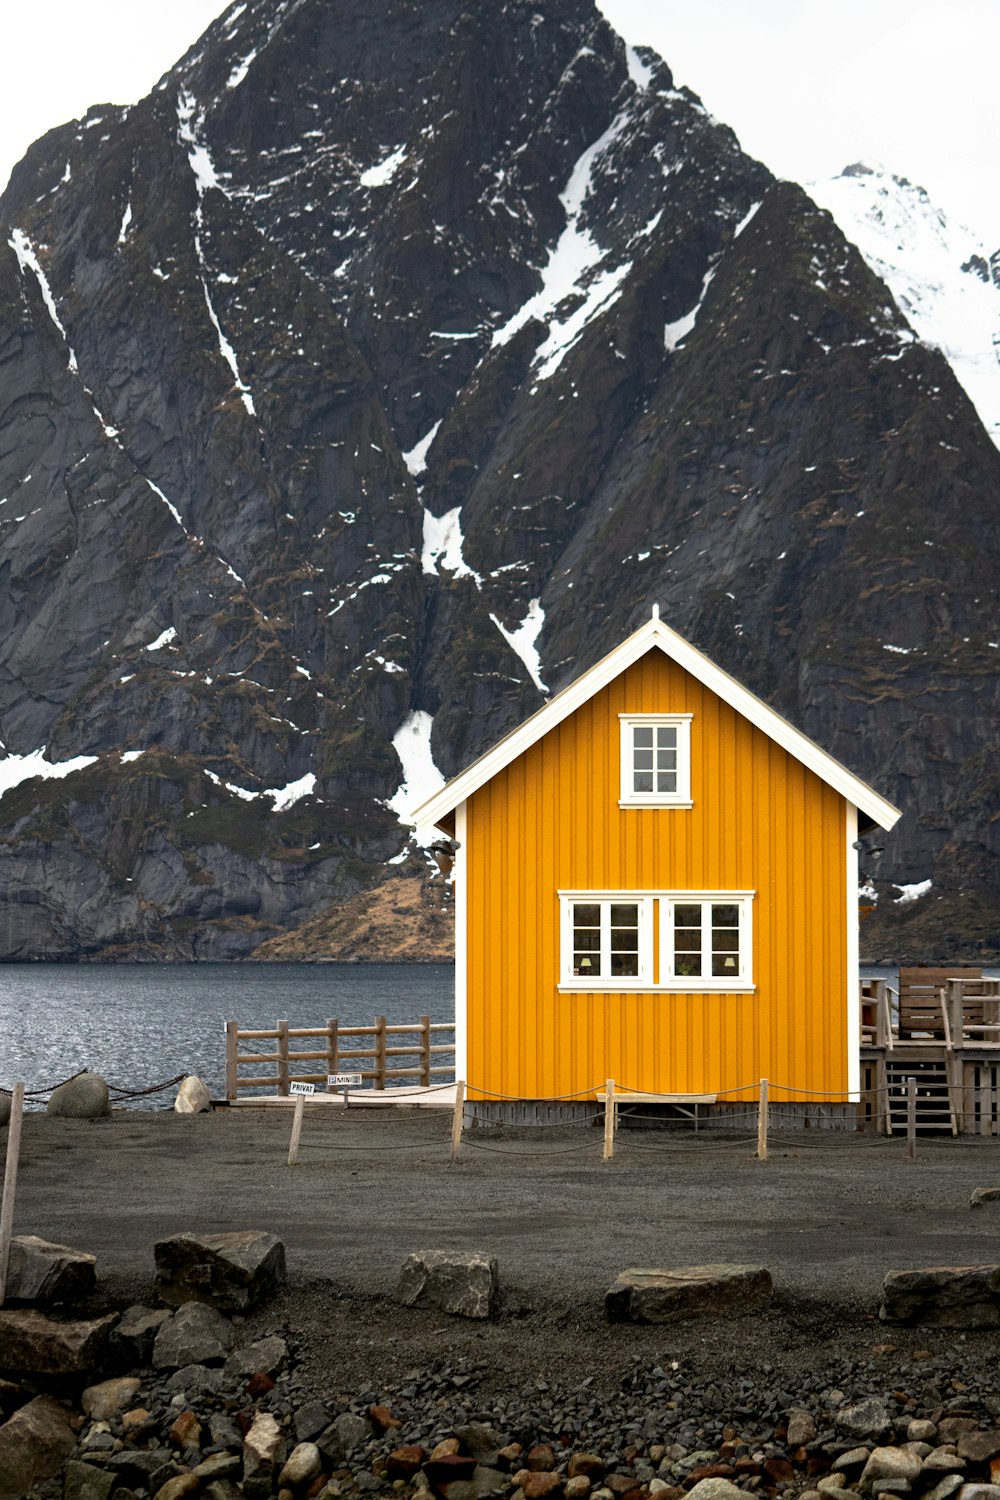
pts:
[657, 883]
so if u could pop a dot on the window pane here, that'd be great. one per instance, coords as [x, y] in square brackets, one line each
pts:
[644, 760]
[587, 964]
[642, 736]
[625, 914]
[666, 736]
[687, 940]
[642, 781]
[666, 760]
[625, 965]
[586, 940]
[666, 781]
[625, 940]
[586, 916]
[687, 964]
[725, 965]
[725, 916]
[687, 916]
[726, 939]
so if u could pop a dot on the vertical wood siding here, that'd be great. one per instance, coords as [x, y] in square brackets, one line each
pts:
[760, 821]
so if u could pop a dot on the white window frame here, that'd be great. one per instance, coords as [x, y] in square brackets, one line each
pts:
[628, 797]
[742, 977]
[605, 900]
[656, 911]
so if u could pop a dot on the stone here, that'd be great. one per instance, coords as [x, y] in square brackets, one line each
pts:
[40, 1271]
[540, 1459]
[235, 1272]
[867, 1418]
[84, 1097]
[665, 1296]
[261, 1447]
[979, 1447]
[195, 1378]
[352, 1430]
[540, 1484]
[193, 1097]
[891, 1463]
[132, 1337]
[920, 1430]
[34, 1444]
[943, 1461]
[109, 1397]
[716, 1489]
[382, 1419]
[195, 1335]
[950, 1429]
[310, 1420]
[578, 1487]
[33, 1344]
[269, 1355]
[179, 1488]
[945, 1487]
[943, 1297]
[218, 1466]
[186, 1431]
[463, 1283]
[487, 1480]
[587, 1465]
[979, 1492]
[83, 1481]
[403, 1463]
[801, 1428]
[481, 1441]
[302, 1465]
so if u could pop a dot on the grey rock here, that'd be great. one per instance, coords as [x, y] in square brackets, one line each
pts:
[83, 1481]
[921, 1430]
[218, 1466]
[99, 1402]
[944, 1461]
[667, 1295]
[352, 1430]
[943, 1297]
[193, 1097]
[224, 1431]
[302, 1465]
[195, 1335]
[269, 1355]
[890, 1485]
[195, 1378]
[801, 1428]
[480, 1442]
[487, 1480]
[463, 1283]
[979, 1492]
[262, 1449]
[891, 1463]
[40, 1271]
[368, 1483]
[234, 1272]
[868, 1418]
[34, 1445]
[945, 1487]
[133, 1335]
[34, 1344]
[716, 1489]
[310, 1421]
[84, 1097]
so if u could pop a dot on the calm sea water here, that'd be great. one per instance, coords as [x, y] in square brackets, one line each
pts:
[138, 1024]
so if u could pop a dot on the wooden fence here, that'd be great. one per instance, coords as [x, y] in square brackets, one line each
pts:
[370, 1051]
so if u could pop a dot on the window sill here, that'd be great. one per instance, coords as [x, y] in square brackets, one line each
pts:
[642, 986]
[657, 804]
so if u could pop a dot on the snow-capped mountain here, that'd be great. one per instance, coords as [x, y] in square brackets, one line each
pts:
[944, 278]
[370, 379]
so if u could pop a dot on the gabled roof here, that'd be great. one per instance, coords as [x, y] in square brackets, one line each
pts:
[654, 634]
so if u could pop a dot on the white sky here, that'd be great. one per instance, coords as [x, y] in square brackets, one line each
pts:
[808, 85]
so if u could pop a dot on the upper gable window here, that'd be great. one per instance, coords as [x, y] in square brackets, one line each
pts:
[655, 760]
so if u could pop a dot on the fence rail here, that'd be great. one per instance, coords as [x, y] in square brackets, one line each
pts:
[378, 1059]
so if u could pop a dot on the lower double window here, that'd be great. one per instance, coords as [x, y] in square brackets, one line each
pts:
[677, 940]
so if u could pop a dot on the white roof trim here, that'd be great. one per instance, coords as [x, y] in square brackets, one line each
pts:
[654, 633]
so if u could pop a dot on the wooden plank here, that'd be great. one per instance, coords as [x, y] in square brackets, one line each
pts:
[609, 1119]
[380, 1051]
[10, 1183]
[332, 1043]
[911, 1118]
[297, 1118]
[425, 1045]
[232, 1059]
[456, 1119]
[282, 1057]
[762, 1114]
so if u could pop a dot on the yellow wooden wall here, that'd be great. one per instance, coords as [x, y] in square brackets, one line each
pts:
[551, 822]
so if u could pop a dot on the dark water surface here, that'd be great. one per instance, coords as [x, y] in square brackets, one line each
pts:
[138, 1024]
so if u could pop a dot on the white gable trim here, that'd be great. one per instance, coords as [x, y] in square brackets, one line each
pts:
[654, 633]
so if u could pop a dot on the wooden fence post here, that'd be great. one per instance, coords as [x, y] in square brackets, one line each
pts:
[610, 1110]
[762, 1113]
[10, 1183]
[297, 1116]
[232, 1058]
[380, 1052]
[283, 1057]
[911, 1119]
[332, 1048]
[456, 1122]
[425, 1051]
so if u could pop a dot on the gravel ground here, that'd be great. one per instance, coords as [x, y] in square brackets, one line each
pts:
[828, 1216]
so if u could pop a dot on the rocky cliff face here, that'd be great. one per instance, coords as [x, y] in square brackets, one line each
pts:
[372, 377]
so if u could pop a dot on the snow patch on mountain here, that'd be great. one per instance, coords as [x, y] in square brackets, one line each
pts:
[442, 547]
[940, 274]
[421, 777]
[523, 641]
[17, 768]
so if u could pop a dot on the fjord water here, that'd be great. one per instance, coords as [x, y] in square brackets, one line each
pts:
[138, 1024]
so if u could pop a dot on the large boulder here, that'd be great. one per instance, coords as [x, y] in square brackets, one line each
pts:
[33, 1344]
[193, 1097]
[665, 1296]
[39, 1271]
[234, 1272]
[943, 1297]
[133, 1335]
[463, 1283]
[34, 1445]
[84, 1097]
[195, 1335]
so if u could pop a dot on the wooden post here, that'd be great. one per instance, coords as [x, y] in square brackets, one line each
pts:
[283, 1058]
[762, 1113]
[332, 1047]
[10, 1183]
[911, 1119]
[297, 1116]
[380, 1052]
[610, 1108]
[232, 1055]
[456, 1122]
[425, 1051]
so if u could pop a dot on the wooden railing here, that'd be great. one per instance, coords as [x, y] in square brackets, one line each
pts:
[369, 1052]
[876, 1014]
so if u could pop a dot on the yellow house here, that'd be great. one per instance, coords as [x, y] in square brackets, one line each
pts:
[657, 882]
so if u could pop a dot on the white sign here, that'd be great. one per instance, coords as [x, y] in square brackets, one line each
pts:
[343, 1080]
[302, 1088]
